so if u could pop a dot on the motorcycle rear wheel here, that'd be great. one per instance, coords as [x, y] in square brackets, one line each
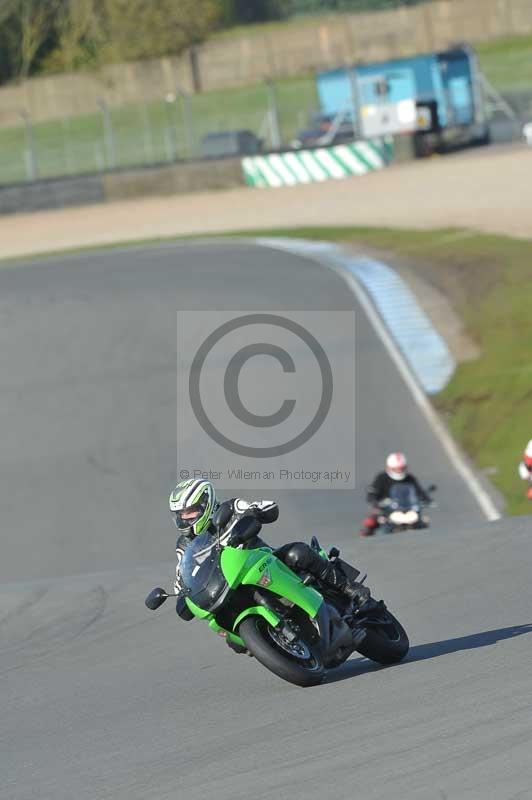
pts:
[295, 662]
[386, 643]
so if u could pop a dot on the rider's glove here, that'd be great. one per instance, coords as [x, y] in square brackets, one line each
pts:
[244, 530]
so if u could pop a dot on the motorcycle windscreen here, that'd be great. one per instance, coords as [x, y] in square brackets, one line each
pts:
[202, 575]
[404, 495]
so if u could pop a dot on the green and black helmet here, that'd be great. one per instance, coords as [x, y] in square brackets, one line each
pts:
[193, 502]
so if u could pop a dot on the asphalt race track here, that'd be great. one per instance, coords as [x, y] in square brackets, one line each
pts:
[100, 698]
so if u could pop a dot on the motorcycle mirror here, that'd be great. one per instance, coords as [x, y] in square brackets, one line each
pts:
[155, 598]
[222, 516]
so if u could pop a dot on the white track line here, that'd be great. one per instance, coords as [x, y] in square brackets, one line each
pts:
[319, 254]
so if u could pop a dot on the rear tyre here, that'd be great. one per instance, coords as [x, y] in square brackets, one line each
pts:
[386, 643]
[295, 662]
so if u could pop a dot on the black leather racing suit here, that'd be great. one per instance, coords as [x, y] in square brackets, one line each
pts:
[382, 483]
[299, 556]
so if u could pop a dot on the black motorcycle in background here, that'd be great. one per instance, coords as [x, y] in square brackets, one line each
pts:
[404, 510]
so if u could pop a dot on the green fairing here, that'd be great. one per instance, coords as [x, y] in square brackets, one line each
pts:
[213, 625]
[201, 614]
[284, 582]
[234, 562]
[247, 567]
[258, 611]
[196, 610]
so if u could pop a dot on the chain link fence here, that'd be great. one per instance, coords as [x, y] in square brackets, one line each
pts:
[323, 6]
[170, 130]
[173, 128]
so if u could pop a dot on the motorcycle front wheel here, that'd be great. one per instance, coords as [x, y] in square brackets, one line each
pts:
[294, 661]
[386, 641]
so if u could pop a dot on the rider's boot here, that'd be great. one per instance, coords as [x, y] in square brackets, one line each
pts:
[332, 575]
[369, 525]
[302, 558]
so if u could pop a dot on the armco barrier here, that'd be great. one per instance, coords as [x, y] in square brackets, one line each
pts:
[283, 169]
[196, 176]
[84, 190]
[52, 193]
[320, 164]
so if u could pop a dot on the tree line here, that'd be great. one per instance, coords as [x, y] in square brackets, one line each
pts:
[64, 35]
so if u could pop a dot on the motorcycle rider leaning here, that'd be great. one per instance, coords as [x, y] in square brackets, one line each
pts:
[194, 502]
[525, 468]
[379, 490]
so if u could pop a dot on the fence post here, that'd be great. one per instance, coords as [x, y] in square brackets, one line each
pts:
[189, 126]
[169, 104]
[108, 133]
[355, 102]
[148, 137]
[276, 140]
[67, 146]
[32, 167]
[195, 70]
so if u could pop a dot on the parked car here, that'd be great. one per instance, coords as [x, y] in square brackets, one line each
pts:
[227, 144]
[324, 130]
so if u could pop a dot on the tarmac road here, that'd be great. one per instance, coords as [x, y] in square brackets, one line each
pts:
[100, 698]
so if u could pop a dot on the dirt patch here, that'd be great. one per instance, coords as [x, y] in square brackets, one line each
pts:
[464, 280]
[435, 300]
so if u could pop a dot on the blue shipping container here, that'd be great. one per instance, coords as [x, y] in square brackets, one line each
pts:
[445, 78]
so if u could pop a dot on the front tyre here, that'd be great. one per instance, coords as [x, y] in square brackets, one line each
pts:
[386, 641]
[294, 662]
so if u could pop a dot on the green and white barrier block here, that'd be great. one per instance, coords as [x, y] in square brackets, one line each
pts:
[320, 164]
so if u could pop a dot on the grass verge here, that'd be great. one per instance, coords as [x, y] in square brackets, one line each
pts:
[507, 62]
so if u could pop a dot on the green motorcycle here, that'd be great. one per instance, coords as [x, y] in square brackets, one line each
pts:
[294, 625]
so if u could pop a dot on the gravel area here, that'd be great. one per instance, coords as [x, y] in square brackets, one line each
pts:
[488, 190]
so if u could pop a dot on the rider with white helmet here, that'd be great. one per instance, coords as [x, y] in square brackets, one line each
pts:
[525, 468]
[396, 471]
[194, 502]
